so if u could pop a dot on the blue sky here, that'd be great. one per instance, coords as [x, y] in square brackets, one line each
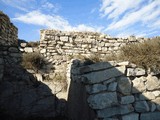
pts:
[118, 18]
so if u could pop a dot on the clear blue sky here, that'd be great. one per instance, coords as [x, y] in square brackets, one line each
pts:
[113, 17]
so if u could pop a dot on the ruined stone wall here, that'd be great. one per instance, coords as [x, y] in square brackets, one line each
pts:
[8, 32]
[85, 43]
[117, 91]
[23, 94]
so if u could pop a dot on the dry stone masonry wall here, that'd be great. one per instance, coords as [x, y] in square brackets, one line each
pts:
[8, 32]
[23, 95]
[54, 42]
[119, 91]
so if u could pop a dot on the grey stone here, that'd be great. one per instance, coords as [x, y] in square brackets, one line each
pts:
[93, 67]
[141, 106]
[152, 83]
[109, 81]
[157, 102]
[28, 49]
[102, 100]
[120, 110]
[110, 119]
[132, 116]
[17, 55]
[100, 76]
[13, 49]
[1, 60]
[150, 116]
[124, 85]
[95, 88]
[112, 86]
[147, 96]
[135, 72]
[127, 99]
[152, 106]
[138, 85]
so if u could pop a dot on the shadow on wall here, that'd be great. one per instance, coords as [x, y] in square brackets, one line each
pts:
[113, 91]
[21, 95]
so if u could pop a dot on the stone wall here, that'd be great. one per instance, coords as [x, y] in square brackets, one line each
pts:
[23, 94]
[8, 32]
[117, 91]
[85, 43]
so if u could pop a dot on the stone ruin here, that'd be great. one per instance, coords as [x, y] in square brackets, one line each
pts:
[100, 91]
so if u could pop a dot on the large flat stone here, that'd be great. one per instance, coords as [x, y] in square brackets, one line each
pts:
[100, 76]
[96, 88]
[91, 68]
[141, 106]
[112, 86]
[132, 116]
[150, 116]
[102, 100]
[127, 99]
[120, 110]
[124, 85]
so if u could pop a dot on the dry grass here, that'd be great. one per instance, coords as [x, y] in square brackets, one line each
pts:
[146, 55]
[32, 61]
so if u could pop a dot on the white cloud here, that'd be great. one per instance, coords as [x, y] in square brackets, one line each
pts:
[130, 13]
[23, 5]
[52, 21]
[115, 8]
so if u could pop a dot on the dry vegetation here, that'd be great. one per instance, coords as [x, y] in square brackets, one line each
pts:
[33, 61]
[146, 55]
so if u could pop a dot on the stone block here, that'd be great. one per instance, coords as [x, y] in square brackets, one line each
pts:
[124, 85]
[156, 93]
[1, 61]
[141, 106]
[28, 49]
[109, 81]
[43, 51]
[147, 96]
[64, 38]
[138, 85]
[132, 116]
[23, 45]
[119, 110]
[91, 68]
[102, 100]
[100, 76]
[127, 99]
[13, 49]
[150, 116]
[112, 86]
[152, 83]
[95, 88]
[135, 72]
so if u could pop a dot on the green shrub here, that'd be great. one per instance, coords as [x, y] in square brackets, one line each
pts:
[32, 61]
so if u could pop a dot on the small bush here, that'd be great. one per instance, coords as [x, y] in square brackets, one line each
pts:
[146, 54]
[32, 61]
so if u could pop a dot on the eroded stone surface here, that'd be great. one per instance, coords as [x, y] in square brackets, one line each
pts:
[102, 100]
